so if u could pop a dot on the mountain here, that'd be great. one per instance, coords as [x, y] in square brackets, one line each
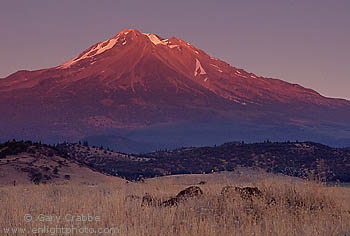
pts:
[299, 159]
[167, 92]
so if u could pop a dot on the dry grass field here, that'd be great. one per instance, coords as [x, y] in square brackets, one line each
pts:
[288, 207]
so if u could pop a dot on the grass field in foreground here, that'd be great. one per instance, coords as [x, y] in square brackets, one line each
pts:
[299, 208]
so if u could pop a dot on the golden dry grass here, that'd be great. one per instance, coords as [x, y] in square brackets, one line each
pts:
[300, 208]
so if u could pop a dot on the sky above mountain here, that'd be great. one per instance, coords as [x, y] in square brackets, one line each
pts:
[304, 42]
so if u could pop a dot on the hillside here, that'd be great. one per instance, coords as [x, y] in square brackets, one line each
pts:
[28, 162]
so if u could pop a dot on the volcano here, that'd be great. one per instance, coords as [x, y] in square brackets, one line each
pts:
[164, 92]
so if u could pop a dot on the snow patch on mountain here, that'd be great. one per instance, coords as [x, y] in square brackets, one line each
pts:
[199, 69]
[97, 49]
[243, 103]
[217, 68]
[155, 40]
[243, 76]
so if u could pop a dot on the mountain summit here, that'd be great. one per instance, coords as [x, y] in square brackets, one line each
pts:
[143, 86]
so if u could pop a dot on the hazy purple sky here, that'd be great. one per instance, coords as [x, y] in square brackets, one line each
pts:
[305, 41]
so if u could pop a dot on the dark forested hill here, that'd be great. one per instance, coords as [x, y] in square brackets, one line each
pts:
[301, 159]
